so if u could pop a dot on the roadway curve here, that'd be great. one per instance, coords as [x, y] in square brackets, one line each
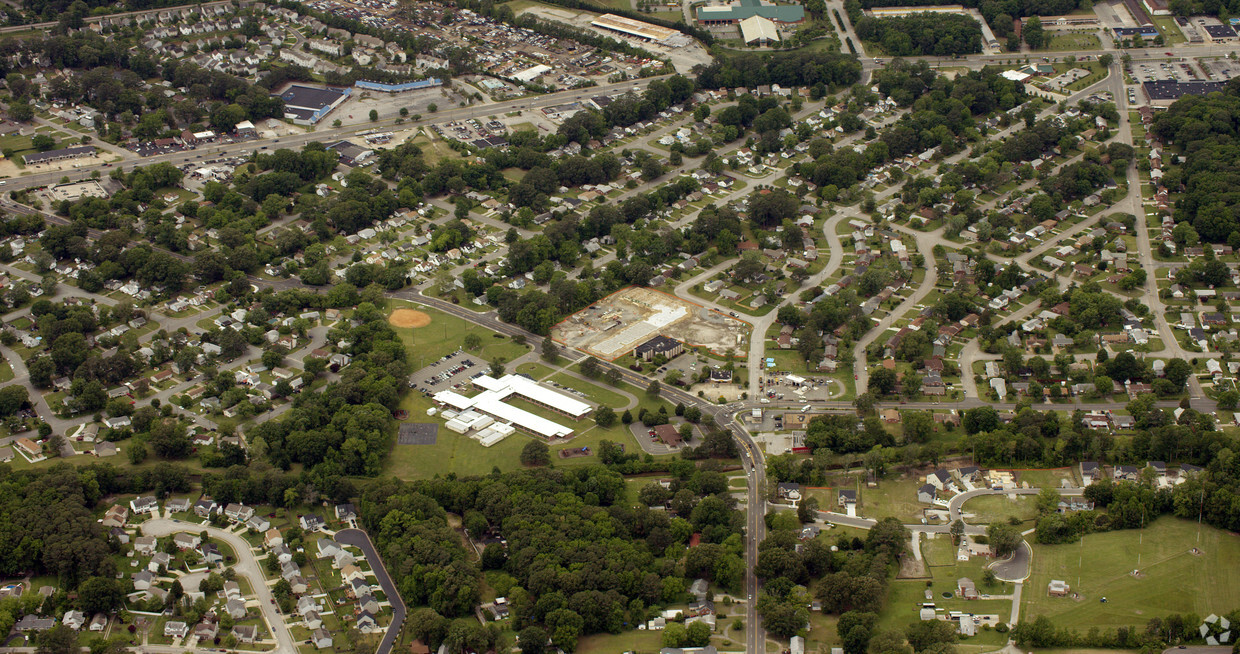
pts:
[246, 565]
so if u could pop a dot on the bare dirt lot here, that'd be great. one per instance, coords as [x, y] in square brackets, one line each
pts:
[409, 318]
[613, 326]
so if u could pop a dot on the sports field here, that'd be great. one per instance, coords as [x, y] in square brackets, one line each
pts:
[1171, 579]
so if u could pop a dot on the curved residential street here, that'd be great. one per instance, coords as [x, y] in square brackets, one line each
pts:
[247, 566]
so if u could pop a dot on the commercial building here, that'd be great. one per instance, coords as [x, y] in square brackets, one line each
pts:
[351, 154]
[398, 88]
[1164, 92]
[1220, 33]
[895, 12]
[532, 73]
[642, 30]
[1055, 22]
[757, 30]
[668, 347]
[1147, 32]
[735, 12]
[58, 155]
[307, 105]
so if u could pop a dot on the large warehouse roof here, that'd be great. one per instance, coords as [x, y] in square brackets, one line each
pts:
[1172, 90]
[757, 28]
[308, 97]
[745, 8]
[634, 27]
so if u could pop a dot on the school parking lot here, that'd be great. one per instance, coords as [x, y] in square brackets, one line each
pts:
[453, 372]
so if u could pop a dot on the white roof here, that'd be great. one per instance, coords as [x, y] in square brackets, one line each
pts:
[532, 73]
[491, 402]
[756, 28]
[532, 390]
[454, 400]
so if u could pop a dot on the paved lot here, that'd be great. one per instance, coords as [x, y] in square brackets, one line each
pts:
[451, 372]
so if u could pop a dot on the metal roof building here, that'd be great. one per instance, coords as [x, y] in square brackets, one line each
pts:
[742, 9]
[758, 30]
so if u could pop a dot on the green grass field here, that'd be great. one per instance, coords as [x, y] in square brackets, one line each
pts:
[893, 498]
[445, 334]
[1072, 42]
[1173, 579]
[596, 393]
[989, 509]
[536, 370]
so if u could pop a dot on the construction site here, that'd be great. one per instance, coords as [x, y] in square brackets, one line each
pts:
[618, 323]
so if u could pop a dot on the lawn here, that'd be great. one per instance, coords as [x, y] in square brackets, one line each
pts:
[6, 371]
[1172, 580]
[1072, 42]
[1052, 477]
[940, 556]
[989, 509]
[905, 597]
[445, 335]
[893, 498]
[596, 393]
[628, 641]
[536, 370]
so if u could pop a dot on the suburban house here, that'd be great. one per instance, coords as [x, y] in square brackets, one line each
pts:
[176, 629]
[147, 504]
[925, 494]
[311, 522]
[272, 538]
[1057, 588]
[245, 633]
[791, 492]
[848, 500]
[1090, 472]
[239, 512]
[116, 516]
[966, 589]
[940, 479]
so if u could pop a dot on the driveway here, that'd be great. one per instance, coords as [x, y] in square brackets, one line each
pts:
[359, 539]
[246, 566]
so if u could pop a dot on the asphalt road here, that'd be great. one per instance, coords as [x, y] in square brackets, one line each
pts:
[247, 566]
[359, 539]
[1016, 566]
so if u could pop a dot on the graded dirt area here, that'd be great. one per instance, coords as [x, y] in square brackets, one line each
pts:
[409, 318]
[613, 326]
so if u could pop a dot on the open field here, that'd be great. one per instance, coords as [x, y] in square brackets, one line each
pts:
[989, 509]
[1071, 41]
[1172, 580]
[444, 335]
[893, 498]
[1052, 477]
